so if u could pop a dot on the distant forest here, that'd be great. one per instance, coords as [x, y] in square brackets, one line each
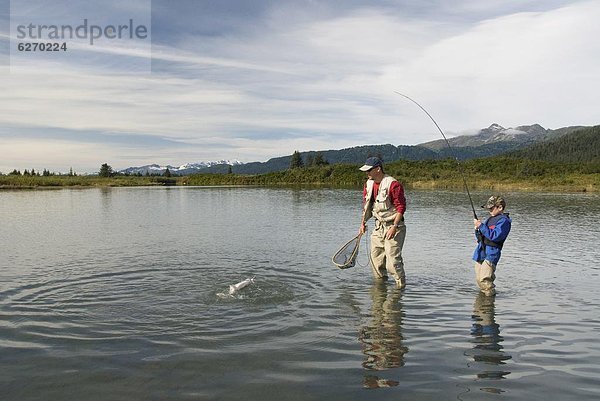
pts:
[581, 146]
[569, 163]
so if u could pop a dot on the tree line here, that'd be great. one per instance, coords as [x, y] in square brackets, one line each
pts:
[296, 160]
[44, 173]
[581, 146]
[489, 173]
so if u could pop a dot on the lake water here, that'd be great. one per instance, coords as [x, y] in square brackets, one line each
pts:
[112, 294]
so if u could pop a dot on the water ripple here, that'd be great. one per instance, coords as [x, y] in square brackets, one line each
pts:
[145, 321]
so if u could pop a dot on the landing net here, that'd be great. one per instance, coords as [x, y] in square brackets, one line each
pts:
[346, 256]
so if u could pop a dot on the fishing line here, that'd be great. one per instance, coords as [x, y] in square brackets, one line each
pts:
[460, 169]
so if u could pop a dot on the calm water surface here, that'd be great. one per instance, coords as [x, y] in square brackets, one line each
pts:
[112, 294]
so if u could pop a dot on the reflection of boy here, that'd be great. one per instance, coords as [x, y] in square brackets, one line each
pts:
[487, 341]
[491, 235]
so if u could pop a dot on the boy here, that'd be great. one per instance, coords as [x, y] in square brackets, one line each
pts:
[490, 234]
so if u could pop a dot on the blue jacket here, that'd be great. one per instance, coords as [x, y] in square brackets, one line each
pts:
[495, 229]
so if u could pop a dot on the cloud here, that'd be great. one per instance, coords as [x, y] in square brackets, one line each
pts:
[269, 78]
[520, 68]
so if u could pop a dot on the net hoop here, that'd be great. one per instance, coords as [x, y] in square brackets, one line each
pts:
[341, 258]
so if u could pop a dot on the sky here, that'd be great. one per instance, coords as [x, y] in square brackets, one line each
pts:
[251, 80]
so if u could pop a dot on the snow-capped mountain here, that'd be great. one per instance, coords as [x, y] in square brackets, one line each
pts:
[184, 169]
[495, 133]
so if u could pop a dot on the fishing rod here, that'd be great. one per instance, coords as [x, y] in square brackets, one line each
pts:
[460, 169]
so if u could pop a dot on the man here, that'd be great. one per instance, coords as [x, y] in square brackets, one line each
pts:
[491, 235]
[384, 200]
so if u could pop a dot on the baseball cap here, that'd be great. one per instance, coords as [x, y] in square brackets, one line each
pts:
[494, 200]
[370, 163]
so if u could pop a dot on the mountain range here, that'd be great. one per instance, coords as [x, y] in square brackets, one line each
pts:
[490, 141]
[496, 134]
[184, 169]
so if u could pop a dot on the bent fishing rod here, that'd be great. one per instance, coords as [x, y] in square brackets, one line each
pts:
[460, 169]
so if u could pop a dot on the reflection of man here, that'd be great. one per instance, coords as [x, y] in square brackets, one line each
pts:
[487, 340]
[382, 338]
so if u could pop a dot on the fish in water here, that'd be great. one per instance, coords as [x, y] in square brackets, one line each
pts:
[236, 287]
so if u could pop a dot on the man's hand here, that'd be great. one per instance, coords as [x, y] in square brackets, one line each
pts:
[391, 232]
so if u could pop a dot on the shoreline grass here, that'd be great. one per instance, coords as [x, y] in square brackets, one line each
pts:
[577, 184]
[493, 174]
